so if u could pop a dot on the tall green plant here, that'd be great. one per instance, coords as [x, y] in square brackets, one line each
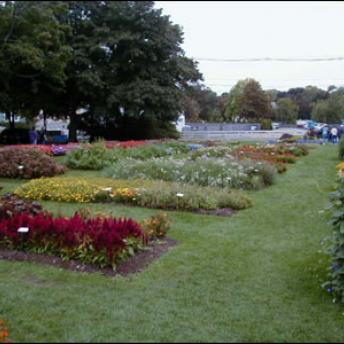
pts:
[335, 284]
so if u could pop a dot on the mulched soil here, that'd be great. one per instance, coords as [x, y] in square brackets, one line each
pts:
[134, 264]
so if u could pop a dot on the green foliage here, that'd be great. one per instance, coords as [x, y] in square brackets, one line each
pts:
[121, 60]
[330, 110]
[177, 196]
[247, 101]
[201, 103]
[341, 148]
[93, 157]
[97, 156]
[335, 284]
[287, 111]
[33, 54]
[266, 124]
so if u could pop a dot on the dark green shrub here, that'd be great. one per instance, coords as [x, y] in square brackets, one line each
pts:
[92, 157]
[341, 148]
[266, 124]
[335, 284]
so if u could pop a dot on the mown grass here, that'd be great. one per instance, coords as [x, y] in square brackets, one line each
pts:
[253, 277]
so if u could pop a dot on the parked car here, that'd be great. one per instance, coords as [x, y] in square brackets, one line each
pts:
[14, 136]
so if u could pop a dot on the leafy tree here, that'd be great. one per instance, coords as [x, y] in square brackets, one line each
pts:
[330, 110]
[122, 61]
[201, 103]
[287, 110]
[248, 101]
[145, 70]
[305, 98]
[33, 54]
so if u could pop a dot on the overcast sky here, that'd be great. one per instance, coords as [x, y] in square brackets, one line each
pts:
[290, 29]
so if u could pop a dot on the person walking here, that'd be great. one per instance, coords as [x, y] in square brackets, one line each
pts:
[324, 132]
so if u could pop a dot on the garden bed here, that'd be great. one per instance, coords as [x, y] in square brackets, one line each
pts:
[137, 263]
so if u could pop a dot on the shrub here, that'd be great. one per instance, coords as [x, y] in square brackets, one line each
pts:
[27, 163]
[156, 226]
[11, 205]
[89, 157]
[266, 124]
[341, 148]
[335, 284]
[100, 241]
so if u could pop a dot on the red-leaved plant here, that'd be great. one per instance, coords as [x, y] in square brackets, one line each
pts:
[100, 241]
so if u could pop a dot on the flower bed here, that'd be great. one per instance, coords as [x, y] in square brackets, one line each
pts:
[100, 241]
[153, 194]
[215, 172]
[98, 156]
[276, 155]
[125, 144]
[27, 163]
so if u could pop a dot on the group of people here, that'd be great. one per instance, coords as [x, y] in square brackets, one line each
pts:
[330, 134]
[37, 136]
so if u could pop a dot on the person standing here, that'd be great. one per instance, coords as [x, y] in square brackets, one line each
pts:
[334, 135]
[33, 136]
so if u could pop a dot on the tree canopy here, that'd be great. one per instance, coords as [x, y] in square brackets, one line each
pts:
[248, 101]
[122, 61]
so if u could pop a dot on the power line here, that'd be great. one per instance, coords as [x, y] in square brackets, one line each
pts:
[273, 59]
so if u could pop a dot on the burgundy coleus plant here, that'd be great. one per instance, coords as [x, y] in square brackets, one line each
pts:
[98, 239]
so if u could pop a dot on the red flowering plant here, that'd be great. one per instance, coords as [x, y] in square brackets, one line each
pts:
[101, 241]
[42, 148]
[3, 332]
[127, 144]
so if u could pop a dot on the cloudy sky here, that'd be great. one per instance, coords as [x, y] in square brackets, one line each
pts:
[246, 30]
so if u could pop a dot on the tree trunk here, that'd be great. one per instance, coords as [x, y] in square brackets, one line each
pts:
[10, 118]
[72, 129]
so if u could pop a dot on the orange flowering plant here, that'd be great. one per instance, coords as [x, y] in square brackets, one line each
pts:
[3, 332]
[156, 226]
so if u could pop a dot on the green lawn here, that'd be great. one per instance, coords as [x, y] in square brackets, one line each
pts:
[253, 277]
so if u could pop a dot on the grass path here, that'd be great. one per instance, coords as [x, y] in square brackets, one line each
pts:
[253, 277]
